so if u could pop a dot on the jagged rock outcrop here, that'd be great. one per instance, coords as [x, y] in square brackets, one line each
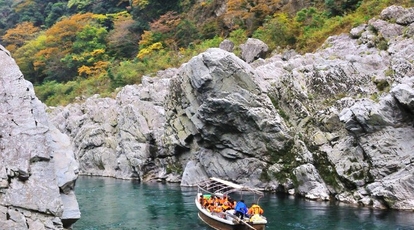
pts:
[119, 137]
[333, 124]
[37, 166]
[339, 103]
[221, 118]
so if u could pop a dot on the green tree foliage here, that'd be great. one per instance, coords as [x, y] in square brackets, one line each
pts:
[340, 7]
[26, 58]
[98, 7]
[146, 11]
[7, 15]
[80, 52]
[32, 11]
[87, 50]
[54, 12]
[186, 33]
[125, 73]
[279, 31]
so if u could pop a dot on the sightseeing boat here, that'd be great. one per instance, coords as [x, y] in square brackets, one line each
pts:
[226, 219]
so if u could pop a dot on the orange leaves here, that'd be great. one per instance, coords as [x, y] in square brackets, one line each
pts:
[16, 37]
[248, 14]
[166, 23]
[63, 33]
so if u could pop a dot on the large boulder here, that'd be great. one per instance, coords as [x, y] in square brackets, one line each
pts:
[37, 165]
[220, 115]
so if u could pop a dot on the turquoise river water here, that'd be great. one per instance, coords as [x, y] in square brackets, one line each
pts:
[107, 203]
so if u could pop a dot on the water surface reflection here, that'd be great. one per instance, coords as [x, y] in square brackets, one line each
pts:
[108, 203]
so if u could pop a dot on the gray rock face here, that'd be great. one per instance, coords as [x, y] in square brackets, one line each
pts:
[253, 49]
[350, 103]
[220, 115]
[118, 137]
[334, 124]
[227, 45]
[37, 168]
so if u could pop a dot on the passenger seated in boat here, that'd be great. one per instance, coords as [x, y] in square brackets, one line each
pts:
[241, 209]
[255, 209]
[233, 203]
[201, 200]
[209, 202]
[227, 205]
[218, 209]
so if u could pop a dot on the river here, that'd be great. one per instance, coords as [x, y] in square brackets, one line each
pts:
[108, 203]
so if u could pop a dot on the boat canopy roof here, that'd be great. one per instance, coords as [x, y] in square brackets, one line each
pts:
[222, 187]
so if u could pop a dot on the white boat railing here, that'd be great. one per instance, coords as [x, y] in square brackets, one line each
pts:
[221, 187]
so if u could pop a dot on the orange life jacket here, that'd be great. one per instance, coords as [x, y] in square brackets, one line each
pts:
[255, 209]
[218, 209]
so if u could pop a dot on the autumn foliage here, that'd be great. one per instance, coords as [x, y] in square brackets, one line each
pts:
[78, 48]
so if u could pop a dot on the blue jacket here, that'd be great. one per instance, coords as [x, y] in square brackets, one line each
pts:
[241, 207]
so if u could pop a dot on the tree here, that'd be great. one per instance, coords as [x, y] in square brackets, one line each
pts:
[340, 7]
[99, 7]
[186, 32]
[8, 17]
[26, 58]
[59, 43]
[88, 55]
[166, 23]
[17, 36]
[54, 12]
[145, 11]
[248, 14]
[122, 40]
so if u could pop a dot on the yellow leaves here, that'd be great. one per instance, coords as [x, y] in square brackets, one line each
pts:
[182, 50]
[146, 38]
[84, 70]
[123, 15]
[100, 17]
[149, 50]
[24, 5]
[97, 52]
[97, 69]
[143, 52]
[156, 46]
[140, 3]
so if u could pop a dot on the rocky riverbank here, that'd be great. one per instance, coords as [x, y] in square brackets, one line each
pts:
[333, 124]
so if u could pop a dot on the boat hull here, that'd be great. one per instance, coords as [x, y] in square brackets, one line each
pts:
[223, 226]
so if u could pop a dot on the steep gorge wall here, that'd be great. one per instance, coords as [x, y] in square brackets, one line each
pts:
[334, 124]
[37, 165]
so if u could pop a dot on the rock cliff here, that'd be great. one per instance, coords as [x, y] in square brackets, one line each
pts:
[333, 124]
[37, 165]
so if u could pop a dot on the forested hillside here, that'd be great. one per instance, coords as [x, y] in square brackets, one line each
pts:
[73, 49]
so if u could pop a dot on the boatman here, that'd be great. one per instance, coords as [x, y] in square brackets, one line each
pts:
[241, 209]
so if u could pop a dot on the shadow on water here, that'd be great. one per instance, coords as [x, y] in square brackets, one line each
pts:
[108, 203]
